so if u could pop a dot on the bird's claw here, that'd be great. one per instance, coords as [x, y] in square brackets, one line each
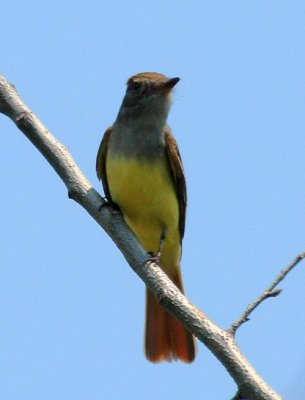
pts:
[154, 258]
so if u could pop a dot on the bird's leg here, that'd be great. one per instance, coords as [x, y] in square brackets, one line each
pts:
[105, 203]
[109, 203]
[156, 258]
[162, 240]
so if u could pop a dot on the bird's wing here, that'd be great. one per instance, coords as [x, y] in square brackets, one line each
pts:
[101, 162]
[176, 167]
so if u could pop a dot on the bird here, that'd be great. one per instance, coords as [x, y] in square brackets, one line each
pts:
[141, 170]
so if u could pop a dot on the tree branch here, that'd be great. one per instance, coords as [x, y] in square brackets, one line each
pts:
[220, 342]
[269, 292]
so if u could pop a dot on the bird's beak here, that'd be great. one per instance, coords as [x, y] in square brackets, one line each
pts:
[168, 84]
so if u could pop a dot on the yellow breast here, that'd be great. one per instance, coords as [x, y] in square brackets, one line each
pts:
[146, 195]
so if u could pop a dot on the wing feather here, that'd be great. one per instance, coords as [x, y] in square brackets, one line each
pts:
[177, 171]
[101, 162]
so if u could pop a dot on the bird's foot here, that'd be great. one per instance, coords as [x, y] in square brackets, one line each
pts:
[107, 203]
[154, 258]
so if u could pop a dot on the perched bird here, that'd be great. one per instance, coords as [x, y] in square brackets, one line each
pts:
[141, 170]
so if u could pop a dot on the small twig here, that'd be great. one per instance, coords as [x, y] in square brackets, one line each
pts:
[269, 292]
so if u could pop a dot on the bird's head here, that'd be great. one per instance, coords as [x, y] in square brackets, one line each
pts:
[148, 93]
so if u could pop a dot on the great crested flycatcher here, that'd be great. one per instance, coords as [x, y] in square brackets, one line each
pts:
[141, 170]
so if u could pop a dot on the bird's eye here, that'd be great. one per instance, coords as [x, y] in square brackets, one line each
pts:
[136, 86]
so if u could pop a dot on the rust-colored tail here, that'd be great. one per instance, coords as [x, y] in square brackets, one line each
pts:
[166, 339]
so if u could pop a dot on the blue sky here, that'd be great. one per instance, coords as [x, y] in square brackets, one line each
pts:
[71, 310]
